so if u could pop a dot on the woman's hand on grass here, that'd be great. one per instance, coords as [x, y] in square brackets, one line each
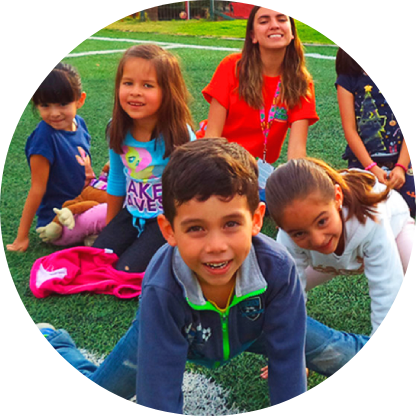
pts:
[19, 245]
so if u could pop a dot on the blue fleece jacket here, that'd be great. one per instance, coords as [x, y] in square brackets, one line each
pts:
[267, 314]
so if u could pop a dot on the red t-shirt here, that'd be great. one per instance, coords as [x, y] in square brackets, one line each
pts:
[242, 124]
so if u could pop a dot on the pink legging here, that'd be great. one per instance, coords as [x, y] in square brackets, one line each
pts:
[404, 242]
[88, 223]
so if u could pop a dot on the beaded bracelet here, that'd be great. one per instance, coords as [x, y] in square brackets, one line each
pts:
[370, 166]
[401, 166]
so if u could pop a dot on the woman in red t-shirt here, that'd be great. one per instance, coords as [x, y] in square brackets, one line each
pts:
[256, 95]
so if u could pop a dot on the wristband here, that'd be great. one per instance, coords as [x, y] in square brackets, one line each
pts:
[370, 166]
[401, 166]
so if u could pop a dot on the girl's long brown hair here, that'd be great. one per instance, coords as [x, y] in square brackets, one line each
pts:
[299, 178]
[295, 77]
[173, 115]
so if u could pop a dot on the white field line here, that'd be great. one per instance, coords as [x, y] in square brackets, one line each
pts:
[319, 56]
[72, 55]
[170, 45]
[202, 396]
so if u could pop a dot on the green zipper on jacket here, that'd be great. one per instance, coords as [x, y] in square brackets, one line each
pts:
[225, 335]
[224, 319]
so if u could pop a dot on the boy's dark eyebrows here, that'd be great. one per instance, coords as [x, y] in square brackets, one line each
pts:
[189, 221]
[235, 215]
[193, 220]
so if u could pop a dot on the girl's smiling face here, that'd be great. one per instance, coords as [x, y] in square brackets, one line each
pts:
[271, 30]
[140, 94]
[60, 116]
[314, 223]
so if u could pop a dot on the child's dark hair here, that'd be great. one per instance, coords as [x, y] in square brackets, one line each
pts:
[62, 85]
[207, 167]
[345, 65]
[299, 178]
[173, 114]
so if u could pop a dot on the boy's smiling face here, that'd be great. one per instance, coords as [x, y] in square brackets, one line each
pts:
[213, 236]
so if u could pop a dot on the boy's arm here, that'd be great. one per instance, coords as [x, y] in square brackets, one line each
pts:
[285, 330]
[39, 167]
[162, 351]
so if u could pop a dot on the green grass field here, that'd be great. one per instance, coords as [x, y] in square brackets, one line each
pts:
[96, 322]
[206, 28]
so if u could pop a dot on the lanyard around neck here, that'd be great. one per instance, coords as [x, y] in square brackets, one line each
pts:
[265, 125]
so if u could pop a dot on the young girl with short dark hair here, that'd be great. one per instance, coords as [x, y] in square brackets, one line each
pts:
[58, 151]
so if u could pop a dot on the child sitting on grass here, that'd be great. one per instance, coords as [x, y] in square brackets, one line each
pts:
[58, 151]
[375, 140]
[217, 289]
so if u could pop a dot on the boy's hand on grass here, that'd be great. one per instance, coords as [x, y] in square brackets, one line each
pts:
[19, 245]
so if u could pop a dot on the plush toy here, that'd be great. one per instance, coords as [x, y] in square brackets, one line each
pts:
[80, 219]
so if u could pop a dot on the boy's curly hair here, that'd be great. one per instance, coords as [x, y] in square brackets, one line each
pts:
[207, 167]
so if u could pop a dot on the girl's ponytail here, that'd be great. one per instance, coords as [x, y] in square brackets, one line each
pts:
[299, 178]
[363, 202]
[357, 188]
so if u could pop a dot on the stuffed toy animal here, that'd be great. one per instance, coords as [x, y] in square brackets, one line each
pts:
[82, 218]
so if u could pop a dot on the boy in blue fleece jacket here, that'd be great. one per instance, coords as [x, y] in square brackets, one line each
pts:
[218, 288]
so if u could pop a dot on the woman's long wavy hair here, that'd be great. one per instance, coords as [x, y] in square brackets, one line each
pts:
[295, 77]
